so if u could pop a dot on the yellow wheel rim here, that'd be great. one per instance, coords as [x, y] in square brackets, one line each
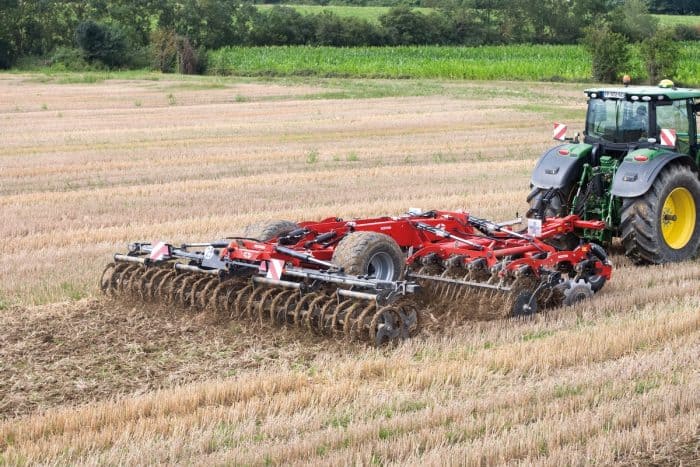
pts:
[678, 218]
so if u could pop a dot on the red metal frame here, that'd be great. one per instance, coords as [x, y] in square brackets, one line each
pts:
[493, 247]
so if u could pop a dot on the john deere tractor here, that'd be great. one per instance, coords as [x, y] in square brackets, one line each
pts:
[636, 168]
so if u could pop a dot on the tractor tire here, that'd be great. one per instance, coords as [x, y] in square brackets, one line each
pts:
[661, 226]
[267, 230]
[557, 207]
[370, 254]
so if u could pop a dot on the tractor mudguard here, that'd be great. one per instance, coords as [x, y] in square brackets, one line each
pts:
[560, 166]
[634, 177]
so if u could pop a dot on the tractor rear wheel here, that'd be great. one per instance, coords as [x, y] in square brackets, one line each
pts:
[553, 203]
[370, 254]
[267, 230]
[661, 226]
[555, 206]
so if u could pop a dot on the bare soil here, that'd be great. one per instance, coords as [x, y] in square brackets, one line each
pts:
[66, 354]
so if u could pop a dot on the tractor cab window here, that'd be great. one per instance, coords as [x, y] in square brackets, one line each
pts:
[675, 117]
[618, 121]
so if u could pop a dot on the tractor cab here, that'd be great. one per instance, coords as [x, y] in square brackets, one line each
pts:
[637, 169]
[621, 119]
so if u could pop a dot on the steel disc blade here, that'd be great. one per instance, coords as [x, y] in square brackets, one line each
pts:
[385, 327]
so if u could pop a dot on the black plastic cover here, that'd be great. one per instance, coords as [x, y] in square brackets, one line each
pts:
[634, 178]
[556, 171]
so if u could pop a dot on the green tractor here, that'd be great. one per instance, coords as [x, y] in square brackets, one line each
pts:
[636, 169]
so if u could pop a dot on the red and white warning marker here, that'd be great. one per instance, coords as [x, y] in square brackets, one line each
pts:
[668, 137]
[274, 268]
[160, 250]
[559, 132]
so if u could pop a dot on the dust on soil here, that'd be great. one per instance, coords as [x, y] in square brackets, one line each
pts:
[75, 352]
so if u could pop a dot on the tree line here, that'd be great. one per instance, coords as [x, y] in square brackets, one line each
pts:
[666, 7]
[172, 35]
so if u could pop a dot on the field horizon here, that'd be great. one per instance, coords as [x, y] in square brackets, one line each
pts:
[89, 166]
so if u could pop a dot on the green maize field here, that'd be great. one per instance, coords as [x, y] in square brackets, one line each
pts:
[672, 20]
[512, 62]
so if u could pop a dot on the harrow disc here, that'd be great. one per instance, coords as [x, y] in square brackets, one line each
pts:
[255, 299]
[385, 327]
[361, 323]
[142, 286]
[153, 286]
[551, 297]
[312, 314]
[410, 320]
[524, 304]
[173, 287]
[239, 304]
[205, 293]
[185, 292]
[224, 296]
[116, 281]
[351, 320]
[287, 312]
[521, 300]
[320, 312]
[283, 303]
[338, 316]
[122, 278]
[302, 308]
[576, 291]
[107, 278]
[133, 285]
[326, 313]
[160, 286]
[265, 304]
[196, 292]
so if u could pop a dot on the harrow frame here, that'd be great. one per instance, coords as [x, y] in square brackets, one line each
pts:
[293, 278]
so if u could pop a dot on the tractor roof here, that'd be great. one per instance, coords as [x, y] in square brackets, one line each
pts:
[626, 92]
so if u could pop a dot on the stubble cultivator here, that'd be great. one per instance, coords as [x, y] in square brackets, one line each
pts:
[374, 279]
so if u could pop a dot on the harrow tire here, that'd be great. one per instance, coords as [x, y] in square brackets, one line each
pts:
[267, 230]
[370, 254]
[642, 218]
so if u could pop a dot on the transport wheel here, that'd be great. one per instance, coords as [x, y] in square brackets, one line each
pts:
[661, 226]
[267, 230]
[370, 254]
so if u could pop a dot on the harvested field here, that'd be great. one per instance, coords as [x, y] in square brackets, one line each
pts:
[86, 168]
[79, 183]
